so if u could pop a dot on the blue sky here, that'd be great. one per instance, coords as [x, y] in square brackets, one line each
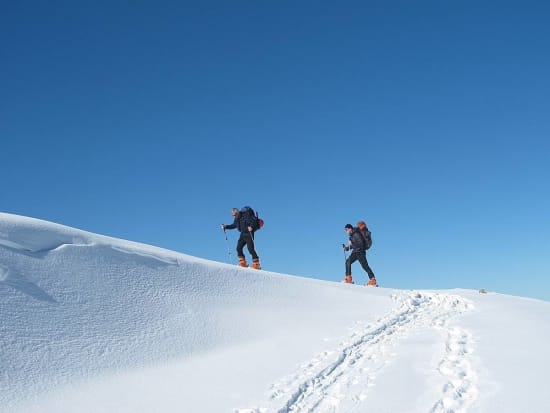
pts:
[148, 121]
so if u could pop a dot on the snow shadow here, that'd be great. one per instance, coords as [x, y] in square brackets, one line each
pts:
[141, 258]
[17, 281]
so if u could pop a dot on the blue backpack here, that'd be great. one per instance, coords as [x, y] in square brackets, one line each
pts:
[252, 218]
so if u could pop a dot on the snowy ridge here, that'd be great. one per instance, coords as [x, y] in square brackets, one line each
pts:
[340, 379]
[93, 324]
[33, 235]
[37, 238]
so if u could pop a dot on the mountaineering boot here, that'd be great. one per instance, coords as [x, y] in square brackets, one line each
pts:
[372, 283]
[348, 280]
[256, 264]
[242, 262]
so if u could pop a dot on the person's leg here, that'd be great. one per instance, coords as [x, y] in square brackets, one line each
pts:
[350, 260]
[240, 253]
[252, 251]
[250, 245]
[362, 257]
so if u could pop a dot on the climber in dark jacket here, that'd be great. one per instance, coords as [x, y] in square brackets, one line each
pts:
[246, 238]
[358, 247]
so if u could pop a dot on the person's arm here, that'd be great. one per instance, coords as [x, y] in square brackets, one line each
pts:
[231, 226]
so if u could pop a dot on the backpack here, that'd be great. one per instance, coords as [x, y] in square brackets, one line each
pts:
[364, 231]
[252, 218]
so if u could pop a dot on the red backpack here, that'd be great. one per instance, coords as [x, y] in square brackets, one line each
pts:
[364, 231]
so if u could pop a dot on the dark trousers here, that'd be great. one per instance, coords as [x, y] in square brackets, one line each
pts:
[246, 239]
[361, 256]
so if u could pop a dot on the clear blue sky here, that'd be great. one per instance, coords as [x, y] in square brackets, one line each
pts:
[149, 120]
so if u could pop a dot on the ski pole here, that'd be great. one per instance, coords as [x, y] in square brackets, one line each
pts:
[252, 236]
[227, 244]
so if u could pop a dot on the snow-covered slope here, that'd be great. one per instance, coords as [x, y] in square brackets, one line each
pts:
[96, 324]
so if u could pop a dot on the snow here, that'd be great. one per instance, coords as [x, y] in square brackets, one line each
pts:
[95, 324]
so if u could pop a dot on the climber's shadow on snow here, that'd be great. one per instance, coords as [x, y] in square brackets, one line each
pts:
[17, 281]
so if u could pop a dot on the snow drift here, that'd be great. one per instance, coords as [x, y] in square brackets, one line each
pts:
[96, 324]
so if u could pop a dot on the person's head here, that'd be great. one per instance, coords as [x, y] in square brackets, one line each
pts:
[235, 212]
[348, 228]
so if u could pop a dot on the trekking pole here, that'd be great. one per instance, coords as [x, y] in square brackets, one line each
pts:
[253, 240]
[227, 245]
[345, 255]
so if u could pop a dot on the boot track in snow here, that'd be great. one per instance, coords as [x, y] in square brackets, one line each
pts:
[339, 380]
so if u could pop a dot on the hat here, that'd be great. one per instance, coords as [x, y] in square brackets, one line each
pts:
[348, 226]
